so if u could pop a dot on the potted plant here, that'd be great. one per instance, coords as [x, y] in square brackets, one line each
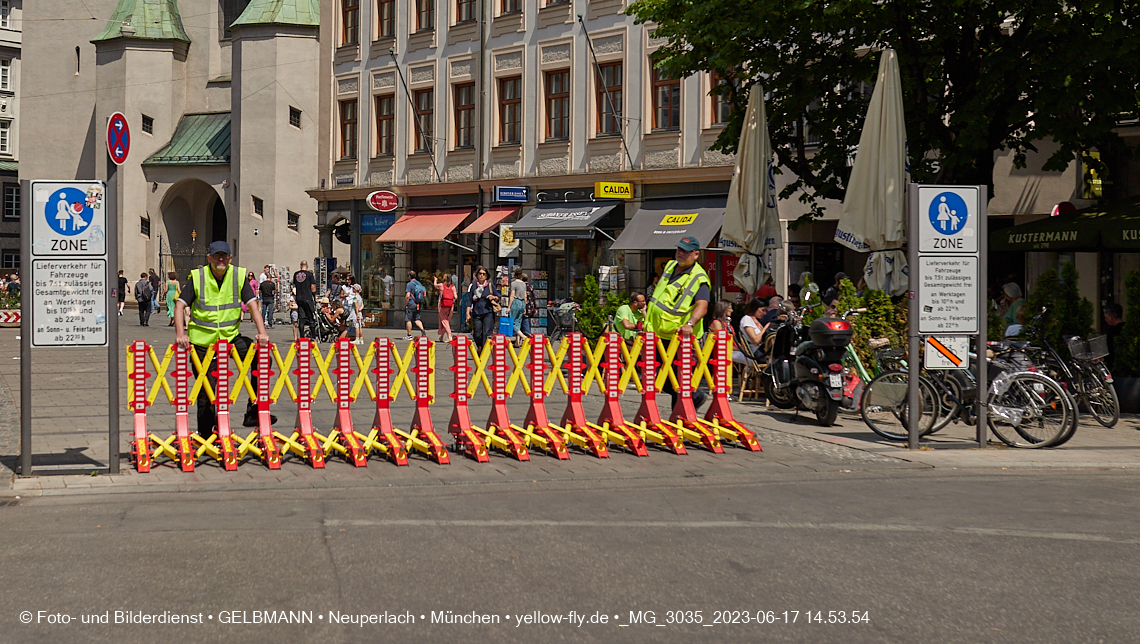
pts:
[10, 310]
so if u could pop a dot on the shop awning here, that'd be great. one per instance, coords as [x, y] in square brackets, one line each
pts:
[425, 225]
[1114, 227]
[493, 217]
[562, 221]
[660, 224]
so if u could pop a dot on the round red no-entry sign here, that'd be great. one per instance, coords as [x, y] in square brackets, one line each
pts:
[118, 138]
[383, 201]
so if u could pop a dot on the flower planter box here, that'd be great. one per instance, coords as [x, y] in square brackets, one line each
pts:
[9, 318]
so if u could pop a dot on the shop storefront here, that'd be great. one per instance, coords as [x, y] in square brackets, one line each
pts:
[657, 226]
[418, 241]
[571, 240]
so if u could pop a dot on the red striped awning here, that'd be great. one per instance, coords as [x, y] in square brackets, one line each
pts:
[425, 225]
[493, 217]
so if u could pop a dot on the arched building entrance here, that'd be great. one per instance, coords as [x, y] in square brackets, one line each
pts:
[193, 214]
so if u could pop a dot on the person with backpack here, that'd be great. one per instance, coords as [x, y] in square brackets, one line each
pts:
[144, 295]
[446, 290]
[414, 299]
[268, 292]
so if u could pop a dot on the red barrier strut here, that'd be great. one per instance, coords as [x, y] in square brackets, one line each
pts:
[574, 418]
[611, 411]
[181, 374]
[422, 426]
[536, 419]
[140, 446]
[347, 435]
[270, 452]
[684, 413]
[460, 424]
[648, 415]
[499, 422]
[222, 375]
[383, 434]
[719, 414]
[304, 426]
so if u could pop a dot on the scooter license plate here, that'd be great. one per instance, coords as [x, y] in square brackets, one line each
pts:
[836, 380]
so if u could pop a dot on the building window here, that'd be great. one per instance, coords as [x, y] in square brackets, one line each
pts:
[5, 139]
[464, 10]
[231, 10]
[512, 6]
[385, 125]
[609, 106]
[5, 14]
[510, 110]
[11, 202]
[386, 14]
[666, 101]
[425, 15]
[11, 259]
[258, 207]
[6, 73]
[721, 104]
[550, 3]
[294, 221]
[294, 117]
[425, 109]
[465, 115]
[558, 104]
[348, 129]
[351, 21]
[144, 226]
[147, 124]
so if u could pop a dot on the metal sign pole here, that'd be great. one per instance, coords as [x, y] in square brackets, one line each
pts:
[983, 313]
[112, 276]
[26, 289]
[913, 415]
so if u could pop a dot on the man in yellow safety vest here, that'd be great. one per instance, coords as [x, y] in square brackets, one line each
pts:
[680, 301]
[214, 295]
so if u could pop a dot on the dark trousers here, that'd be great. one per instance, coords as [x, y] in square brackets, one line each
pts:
[207, 413]
[306, 316]
[483, 327]
[144, 312]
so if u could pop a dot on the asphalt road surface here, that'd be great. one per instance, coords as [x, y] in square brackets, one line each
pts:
[899, 555]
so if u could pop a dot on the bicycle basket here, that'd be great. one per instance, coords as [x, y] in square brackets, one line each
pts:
[1091, 349]
[564, 317]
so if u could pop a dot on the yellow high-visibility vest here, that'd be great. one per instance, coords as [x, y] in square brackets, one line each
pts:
[216, 312]
[672, 301]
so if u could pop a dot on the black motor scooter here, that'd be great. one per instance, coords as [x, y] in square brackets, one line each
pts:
[805, 364]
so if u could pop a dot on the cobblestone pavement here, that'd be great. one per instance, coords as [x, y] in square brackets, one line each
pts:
[70, 436]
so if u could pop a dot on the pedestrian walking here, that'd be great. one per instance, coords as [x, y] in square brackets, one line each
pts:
[267, 289]
[464, 307]
[357, 313]
[679, 302]
[156, 290]
[144, 295]
[123, 281]
[213, 299]
[484, 306]
[293, 316]
[172, 288]
[415, 296]
[305, 292]
[517, 306]
[446, 290]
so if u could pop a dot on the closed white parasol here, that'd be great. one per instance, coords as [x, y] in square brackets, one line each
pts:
[751, 218]
[875, 207]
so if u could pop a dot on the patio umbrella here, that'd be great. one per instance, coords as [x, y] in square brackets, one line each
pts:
[875, 207]
[751, 218]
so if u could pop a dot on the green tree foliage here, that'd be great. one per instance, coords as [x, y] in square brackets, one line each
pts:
[978, 76]
[1126, 362]
[1068, 313]
[591, 319]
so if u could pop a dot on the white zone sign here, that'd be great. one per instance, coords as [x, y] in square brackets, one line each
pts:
[948, 294]
[69, 219]
[947, 352]
[69, 302]
[948, 219]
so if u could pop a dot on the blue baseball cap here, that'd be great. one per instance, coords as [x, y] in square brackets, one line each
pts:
[689, 244]
[219, 247]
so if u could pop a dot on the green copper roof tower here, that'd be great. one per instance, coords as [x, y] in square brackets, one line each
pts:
[304, 13]
[145, 19]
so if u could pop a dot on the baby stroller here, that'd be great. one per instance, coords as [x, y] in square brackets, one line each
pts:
[564, 317]
[324, 330]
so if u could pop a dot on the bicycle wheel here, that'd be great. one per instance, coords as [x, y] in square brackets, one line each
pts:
[948, 406]
[1030, 410]
[1102, 400]
[885, 409]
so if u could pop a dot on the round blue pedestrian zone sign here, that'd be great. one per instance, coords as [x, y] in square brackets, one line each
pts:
[68, 211]
[948, 213]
